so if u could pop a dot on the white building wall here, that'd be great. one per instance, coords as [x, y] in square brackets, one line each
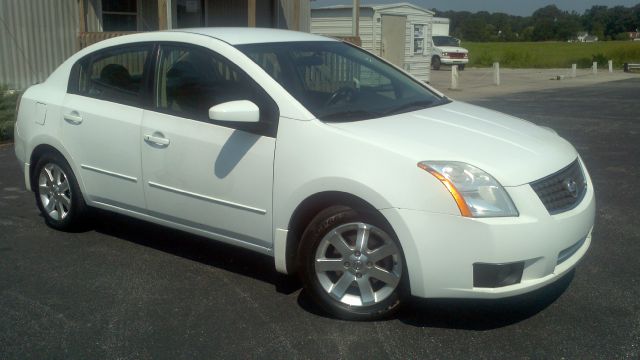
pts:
[418, 65]
[330, 24]
[337, 22]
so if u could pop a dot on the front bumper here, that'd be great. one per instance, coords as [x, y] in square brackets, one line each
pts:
[448, 61]
[441, 249]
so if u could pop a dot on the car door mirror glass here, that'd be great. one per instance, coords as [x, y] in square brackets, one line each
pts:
[243, 111]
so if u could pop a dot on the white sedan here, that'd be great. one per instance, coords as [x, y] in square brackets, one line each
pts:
[369, 184]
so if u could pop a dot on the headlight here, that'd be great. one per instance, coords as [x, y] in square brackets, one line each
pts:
[445, 54]
[477, 193]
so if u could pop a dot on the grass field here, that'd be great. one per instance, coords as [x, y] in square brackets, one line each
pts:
[552, 54]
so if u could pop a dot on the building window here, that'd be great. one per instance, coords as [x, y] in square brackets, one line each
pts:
[418, 39]
[190, 13]
[119, 15]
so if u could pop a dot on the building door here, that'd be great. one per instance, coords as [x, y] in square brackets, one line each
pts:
[393, 38]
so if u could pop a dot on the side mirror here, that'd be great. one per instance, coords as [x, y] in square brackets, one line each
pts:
[242, 111]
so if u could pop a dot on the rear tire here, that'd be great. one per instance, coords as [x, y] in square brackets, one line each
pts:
[57, 193]
[352, 264]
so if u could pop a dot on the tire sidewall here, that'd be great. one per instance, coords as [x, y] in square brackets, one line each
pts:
[436, 63]
[77, 201]
[322, 224]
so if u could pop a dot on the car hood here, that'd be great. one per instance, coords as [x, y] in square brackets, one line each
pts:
[512, 150]
[452, 49]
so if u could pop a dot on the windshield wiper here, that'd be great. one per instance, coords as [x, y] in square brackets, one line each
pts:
[417, 105]
[349, 115]
[352, 115]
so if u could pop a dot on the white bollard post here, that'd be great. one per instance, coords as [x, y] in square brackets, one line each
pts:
[595, 68]
[496, 74]
[573, 70]
[610, 66]
[454, 77]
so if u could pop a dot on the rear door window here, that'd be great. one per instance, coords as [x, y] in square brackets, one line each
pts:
[114, 74]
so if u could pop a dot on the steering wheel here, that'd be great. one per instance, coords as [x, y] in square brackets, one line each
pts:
[346, 92]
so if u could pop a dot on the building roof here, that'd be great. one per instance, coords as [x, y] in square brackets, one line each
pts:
[375, 7]
[441, 20]
[244, 35]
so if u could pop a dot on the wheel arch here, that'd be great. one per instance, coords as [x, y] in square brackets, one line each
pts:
[45, 147]
[310, 207]
[36, 154]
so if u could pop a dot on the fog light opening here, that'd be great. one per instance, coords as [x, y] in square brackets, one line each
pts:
[497, 275]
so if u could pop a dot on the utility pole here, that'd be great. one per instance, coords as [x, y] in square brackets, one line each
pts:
[355, 21]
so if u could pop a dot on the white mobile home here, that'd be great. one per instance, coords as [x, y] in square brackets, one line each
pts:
[400, 33]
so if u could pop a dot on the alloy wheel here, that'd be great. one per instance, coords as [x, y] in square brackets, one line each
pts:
[358, 264]
[55, 192]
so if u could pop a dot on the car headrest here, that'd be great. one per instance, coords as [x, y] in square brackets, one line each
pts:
[116, 75]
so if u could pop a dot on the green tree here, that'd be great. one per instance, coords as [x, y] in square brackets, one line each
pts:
[597, 29]
[567, 27]
[546, 23]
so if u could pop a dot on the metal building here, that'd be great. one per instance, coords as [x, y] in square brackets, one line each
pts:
[400, 33]
[38, 35]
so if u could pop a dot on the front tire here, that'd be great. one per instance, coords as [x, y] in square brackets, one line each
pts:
[435, 63]
[352, 265]
[57, 193]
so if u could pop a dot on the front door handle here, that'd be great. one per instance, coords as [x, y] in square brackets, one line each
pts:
[73, 118]
[156, 140]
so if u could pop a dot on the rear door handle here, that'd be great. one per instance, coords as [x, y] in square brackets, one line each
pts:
[73, 118]
[160, 141]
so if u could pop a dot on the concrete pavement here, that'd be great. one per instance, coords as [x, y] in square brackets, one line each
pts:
[475, 83]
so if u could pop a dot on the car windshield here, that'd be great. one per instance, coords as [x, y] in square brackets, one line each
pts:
[339, 82]
[445, 41]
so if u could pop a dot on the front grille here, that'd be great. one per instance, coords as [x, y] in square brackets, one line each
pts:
[563, 190]
[456, 55]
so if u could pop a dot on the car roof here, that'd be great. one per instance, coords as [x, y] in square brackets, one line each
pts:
[230, 35]
[244, 35]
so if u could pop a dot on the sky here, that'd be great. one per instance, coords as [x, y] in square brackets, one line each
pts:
[514, 7]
